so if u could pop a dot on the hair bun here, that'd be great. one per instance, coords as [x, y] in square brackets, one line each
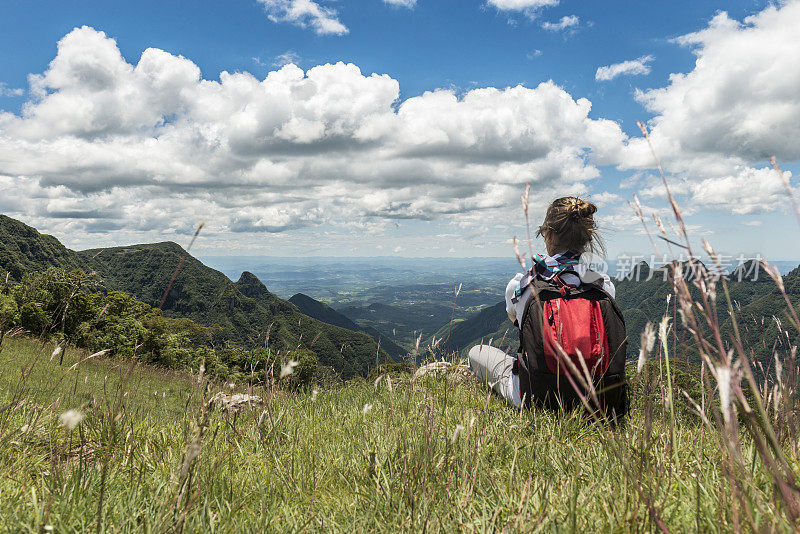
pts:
[569, 224]
[581, 209]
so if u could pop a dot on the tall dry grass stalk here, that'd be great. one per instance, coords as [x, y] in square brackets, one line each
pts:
[743, 412]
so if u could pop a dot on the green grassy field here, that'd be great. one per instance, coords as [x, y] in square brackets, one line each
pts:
[430, 455]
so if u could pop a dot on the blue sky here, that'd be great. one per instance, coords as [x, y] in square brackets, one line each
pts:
[403, 204]
[460, 43]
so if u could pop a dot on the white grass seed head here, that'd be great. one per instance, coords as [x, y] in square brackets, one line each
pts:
[724, 382]
[71, 419]
[456, 433]
[663, 329]
[288, 369]
[648, 341]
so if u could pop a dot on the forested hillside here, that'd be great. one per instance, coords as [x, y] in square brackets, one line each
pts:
[24, 249]
[199, 293]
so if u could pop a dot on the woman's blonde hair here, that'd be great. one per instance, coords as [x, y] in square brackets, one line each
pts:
[569, 224]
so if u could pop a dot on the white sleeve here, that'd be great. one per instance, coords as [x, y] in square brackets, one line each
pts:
[608, 285]
[511, 288]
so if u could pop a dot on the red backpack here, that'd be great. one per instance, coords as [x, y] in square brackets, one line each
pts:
[587, 325]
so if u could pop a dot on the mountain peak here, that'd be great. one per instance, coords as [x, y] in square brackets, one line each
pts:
[249, 278]
[640, 271]
[302, 297]
[250, 286]
[167, 246]
[750, 270]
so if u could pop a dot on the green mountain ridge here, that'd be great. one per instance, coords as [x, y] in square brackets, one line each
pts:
[24, 249]
[253, 288]
[322, 312]
[199, 293]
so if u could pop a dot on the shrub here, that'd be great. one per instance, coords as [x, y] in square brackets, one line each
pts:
[305, 373]
[33, 318]
[394, 369]
[9, 312]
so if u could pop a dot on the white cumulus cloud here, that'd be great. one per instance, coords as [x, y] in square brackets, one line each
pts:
[5, 90]
[715, 126]
[741, 99]
[567, 22]
[305, 13]
[104, 145]
[521, 5]
[402, 3]
[287, 58]
[632, 67]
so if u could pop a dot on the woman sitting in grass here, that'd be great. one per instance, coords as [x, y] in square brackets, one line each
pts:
[572, 334]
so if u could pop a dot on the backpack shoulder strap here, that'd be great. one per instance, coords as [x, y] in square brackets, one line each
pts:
[539, 289]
